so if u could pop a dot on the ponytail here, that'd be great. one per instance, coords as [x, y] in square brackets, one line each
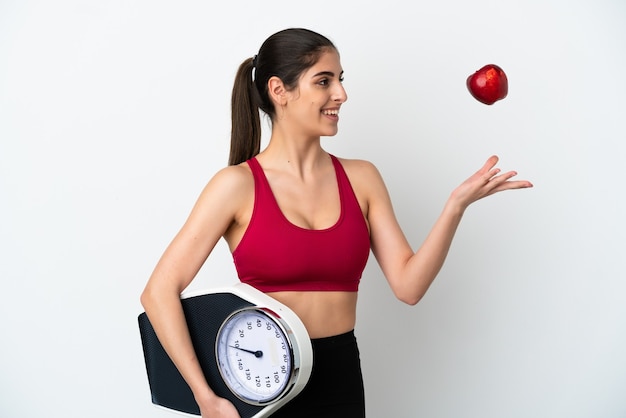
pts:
[245, 135]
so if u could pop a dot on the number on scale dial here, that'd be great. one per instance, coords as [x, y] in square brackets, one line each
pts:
[254, 356]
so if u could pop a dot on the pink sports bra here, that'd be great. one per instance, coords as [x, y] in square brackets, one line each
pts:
[276, 255]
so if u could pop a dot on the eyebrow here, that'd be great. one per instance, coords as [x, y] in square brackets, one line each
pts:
[327, 73]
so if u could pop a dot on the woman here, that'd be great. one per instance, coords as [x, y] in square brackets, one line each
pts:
[300, 224]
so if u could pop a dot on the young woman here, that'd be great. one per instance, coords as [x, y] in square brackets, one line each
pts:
[300, 224]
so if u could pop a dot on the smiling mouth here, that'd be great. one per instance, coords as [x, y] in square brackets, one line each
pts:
[331, 112]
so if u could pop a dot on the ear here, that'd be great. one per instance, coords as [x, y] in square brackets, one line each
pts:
[277, 91]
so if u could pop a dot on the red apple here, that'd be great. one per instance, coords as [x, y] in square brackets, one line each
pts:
[489, 84]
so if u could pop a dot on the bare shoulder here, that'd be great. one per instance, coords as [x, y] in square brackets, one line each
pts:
[239, 173]
[231, 180]
[367, 183]
[227, 192]
[362, 173]
[357, 166]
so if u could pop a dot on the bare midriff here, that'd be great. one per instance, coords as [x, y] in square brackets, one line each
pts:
[323, 313]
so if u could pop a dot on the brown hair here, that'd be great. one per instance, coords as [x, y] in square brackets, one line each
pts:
[286, 55]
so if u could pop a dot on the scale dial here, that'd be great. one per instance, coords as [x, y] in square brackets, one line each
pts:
[254, 356]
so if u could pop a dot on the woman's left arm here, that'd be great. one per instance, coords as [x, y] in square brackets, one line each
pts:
[410, 273]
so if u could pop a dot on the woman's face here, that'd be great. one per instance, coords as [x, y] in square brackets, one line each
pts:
[314, 105]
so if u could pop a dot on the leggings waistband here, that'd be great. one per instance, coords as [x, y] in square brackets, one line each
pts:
[333, 341]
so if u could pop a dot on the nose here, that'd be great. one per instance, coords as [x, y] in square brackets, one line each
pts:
[339, 94]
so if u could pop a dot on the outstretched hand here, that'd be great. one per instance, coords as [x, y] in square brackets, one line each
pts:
[485, 182]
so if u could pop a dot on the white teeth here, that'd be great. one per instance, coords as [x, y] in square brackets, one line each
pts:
[330, 112]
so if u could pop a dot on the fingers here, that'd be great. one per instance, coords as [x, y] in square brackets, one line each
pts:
[504, 182]
[487, 181]
[489, 170]
[489, 164]
[507, 176]
[493, 160]
[490, 173]
[496, 182]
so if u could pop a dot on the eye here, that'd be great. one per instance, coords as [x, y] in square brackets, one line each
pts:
[325, 82]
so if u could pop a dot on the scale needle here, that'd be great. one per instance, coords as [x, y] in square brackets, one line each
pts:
[257, 353]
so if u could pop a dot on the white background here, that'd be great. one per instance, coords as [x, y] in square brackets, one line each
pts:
[113, 116]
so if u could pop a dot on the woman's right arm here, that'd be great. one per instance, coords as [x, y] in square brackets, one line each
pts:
[216, 210]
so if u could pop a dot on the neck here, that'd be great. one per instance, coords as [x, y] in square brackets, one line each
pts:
[298, 155]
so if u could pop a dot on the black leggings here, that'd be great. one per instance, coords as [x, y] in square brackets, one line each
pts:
[335, 388]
